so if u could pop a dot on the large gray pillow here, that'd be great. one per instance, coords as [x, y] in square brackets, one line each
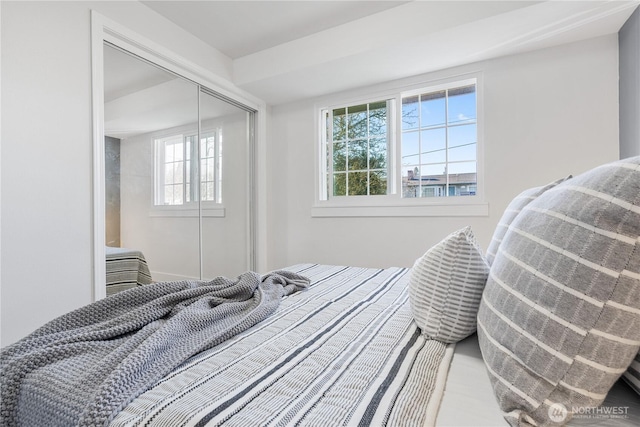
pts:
[446, 285]
[513, 209]
[559, 320]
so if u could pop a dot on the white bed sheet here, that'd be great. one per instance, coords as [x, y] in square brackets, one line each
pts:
[469, 400]
[468, 397]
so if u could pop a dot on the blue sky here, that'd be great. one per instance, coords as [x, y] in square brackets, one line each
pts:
[424, 136]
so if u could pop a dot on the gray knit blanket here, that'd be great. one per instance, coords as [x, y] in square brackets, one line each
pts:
[84, 367]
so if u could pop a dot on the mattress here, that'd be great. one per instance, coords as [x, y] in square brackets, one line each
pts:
[126, 268]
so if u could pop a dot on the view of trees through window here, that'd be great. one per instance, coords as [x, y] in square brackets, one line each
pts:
[359, 149]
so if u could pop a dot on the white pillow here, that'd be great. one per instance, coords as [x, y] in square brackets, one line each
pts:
[446, 285]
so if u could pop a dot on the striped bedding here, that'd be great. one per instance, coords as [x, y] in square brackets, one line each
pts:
[344, 352]
[126, 269]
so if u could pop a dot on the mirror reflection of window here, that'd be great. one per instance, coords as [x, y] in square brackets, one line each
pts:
[166, 217]
[177, 167]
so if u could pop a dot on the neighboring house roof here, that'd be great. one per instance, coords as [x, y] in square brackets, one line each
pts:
[441, 179]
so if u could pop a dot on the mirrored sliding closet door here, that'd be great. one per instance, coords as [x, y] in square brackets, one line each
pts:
[177, 177]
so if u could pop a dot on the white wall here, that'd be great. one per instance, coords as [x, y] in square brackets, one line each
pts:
[548, 113]
[47, 150]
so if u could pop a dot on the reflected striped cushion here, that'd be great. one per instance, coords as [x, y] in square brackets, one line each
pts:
[446, 286]
[559, 320]
[513, 209]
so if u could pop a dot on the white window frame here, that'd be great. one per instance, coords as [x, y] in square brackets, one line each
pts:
[393, 204]
[327, 148]
[194, 208]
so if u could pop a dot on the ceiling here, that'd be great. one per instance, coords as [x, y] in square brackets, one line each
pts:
[240, 28]
[284, 51]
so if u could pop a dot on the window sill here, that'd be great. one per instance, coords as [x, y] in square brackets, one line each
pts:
[413, 210]
[186, 212]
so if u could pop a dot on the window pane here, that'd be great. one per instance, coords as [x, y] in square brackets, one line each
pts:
[357, 155]
[210, 175]
[168, 173]
[357, 122]
[463, 179]
[339, 124]
[434, 181]
[410, 181]
[177, 194]
[357, 183]
[434, 145]
[168, 153]
[190, 140]
[178, 153]
[377, 182]
[432, 109]
[378, 118]
[463, 152]
[340, 156]
[462, 135]
[434, 173]
[327, 134]
[207, 147]
[462, 104]
[410, 112]
[432, 191]
[359, 146]
[463, 167]
[410, 160]
[339, 184]
[410, 144]
[377, 153]
[178, 173]
[168, 195]
[462, 143]
[206, 189]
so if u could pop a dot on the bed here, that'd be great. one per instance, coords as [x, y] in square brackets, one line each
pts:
[126, 268]
[339, 354]
[343, 352]
[354, 346]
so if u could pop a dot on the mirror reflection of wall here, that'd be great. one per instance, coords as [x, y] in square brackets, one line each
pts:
[176, 169]
[112, 190]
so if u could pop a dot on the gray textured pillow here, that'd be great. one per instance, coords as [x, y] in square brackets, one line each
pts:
[513, 209]
[446, 285]
[559, 320]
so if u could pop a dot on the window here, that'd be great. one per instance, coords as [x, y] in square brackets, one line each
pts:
[439, 143]
[357, 148]
[177, 168]
[425, 152]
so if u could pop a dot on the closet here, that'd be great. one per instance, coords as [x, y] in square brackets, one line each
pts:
[178, 174]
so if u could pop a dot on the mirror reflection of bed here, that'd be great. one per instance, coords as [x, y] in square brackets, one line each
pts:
[168, 204]
[126, 268]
